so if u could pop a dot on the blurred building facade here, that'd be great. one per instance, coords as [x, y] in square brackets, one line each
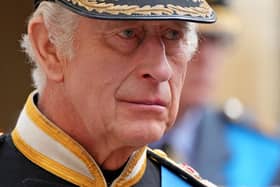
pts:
[14, 70]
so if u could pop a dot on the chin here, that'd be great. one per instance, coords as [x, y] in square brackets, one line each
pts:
[144, 133]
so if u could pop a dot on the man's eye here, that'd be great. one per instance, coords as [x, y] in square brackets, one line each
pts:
[172, 35]
[128, 34]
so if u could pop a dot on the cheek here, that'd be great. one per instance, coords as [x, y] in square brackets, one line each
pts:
[89, 84]
[176, 84]
[179, 70]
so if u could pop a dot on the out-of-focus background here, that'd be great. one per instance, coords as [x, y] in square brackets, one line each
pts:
[15, 78]
[251, 73]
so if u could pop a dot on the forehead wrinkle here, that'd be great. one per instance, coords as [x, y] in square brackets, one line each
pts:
[118, 23]
[106, 26]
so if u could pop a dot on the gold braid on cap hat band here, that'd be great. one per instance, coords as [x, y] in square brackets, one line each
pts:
[203, 10]
[160, 9]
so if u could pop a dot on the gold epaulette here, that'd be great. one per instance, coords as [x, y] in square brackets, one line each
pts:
[186, 172]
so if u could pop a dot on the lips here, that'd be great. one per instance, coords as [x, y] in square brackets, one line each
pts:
[148, 102]
[151, 102]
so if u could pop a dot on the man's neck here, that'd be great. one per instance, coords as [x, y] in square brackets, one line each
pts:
[108, 155]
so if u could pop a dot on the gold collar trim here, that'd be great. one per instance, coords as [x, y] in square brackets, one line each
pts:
[49, 147]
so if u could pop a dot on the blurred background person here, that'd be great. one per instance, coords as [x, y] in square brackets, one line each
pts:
[223, 144]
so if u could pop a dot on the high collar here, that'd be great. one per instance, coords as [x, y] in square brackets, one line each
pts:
[46, 145]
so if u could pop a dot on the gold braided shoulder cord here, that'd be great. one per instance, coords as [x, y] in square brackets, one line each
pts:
[110, 8]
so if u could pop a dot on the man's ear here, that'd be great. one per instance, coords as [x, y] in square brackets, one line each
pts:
[45, 51]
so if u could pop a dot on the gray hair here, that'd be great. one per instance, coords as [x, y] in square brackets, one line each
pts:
[61, 24]
[192, 40]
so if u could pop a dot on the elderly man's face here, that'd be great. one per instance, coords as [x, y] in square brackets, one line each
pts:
[126, 77]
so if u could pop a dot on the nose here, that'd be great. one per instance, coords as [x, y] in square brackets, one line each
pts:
[154, 64]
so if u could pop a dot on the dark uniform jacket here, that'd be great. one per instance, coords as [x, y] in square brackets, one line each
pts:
[38, 153]
[17, 170]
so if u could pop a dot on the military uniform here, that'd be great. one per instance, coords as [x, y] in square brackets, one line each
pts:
[38, 153]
